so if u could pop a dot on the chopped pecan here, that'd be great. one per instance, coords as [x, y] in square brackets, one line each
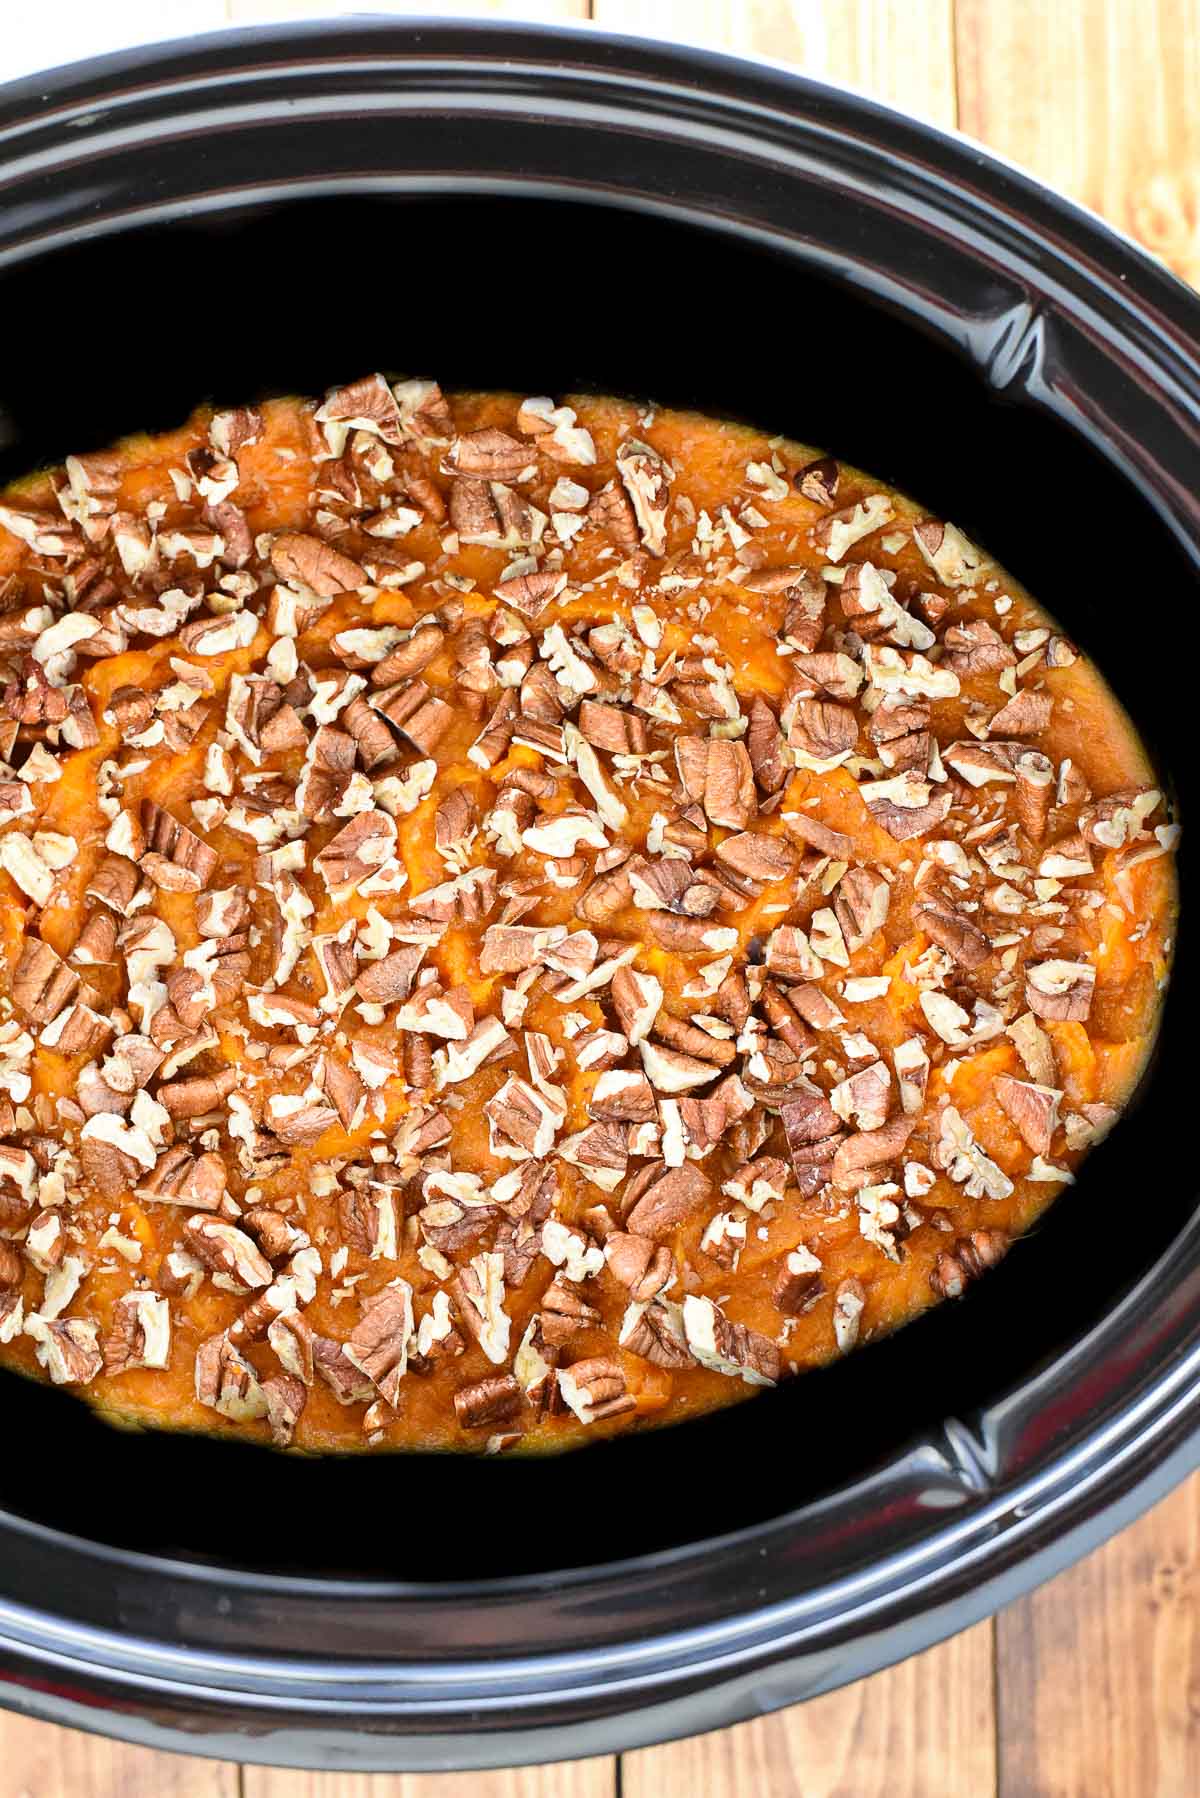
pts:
[378, 1344]
[140, 1333]
[285, 1397]
[971, 1256]
[488, 1404]
[656, 1334]
[1033, 1109]
[595, 1389]
[391, 977]
[315, 565]
[823, 731]
[1060, 990]
[530, 594]
[818, 481]
[67, 1349]
[197, 1096]
[613, 728]
[639, 1264]
[757, 856]
[410, 657]
[861, 905]
[953, 558]
[636, 999]
[955, 933]
[491, 454]
[728, 795]
[839, 531]
[1027, 714]
[798, 1283]
[727, 1347]
[175, 857]
[976, 647]
[668, 1199]
[42, 983]
[236, 1263]
[1033, 792]
[416, 712]
[764, 745]
[610, 511]
[366, 405]
[907, 806]
[869, 1149]
[479, 1293]
[646, 478]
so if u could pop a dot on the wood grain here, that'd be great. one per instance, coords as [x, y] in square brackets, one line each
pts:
[901, 53]
[920, 1730]
[38, 1760]
[270, 12]
[565, 1779]
[1098, 1673]
[1101, 99]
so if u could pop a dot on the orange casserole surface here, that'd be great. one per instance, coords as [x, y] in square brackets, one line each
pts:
[525, 920]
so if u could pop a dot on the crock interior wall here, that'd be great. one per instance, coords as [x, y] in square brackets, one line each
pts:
[129, 333]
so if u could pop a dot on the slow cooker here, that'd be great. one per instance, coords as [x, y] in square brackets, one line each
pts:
[277, 210]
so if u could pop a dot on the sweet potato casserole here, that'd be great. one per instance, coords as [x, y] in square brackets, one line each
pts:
[524, 920]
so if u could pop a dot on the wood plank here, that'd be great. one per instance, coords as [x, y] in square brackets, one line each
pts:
[277, 12]
[1099, 98]
[1098, 1672]
[564, 1779]
[920, 1730]
[902, 54]
[39, 1760]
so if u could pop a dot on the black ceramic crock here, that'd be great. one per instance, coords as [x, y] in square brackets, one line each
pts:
[279, 210]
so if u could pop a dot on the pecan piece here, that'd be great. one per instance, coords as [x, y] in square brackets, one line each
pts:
[315, 565]
[798, 1283]
[639, 1264]
[42, 983]
[657, 1336]
[489, 454]
[764, 745]
[728, 797]
[823, 731]
[595, 1389]
[1060, 990]
[970, 1257]
[1027, 714]
[1033, 1109]
[757, 856]
[530, 594]
[729, 1348]
[861, 906]
[67, 1349]
[818, 481]
[610, 511]
[488, 1404]
[410, 657]
[378, 1344]
[646, 478]
[869, 1149]
[954, 933]
[671, 1197]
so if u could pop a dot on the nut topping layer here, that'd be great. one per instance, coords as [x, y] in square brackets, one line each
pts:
[525, 919]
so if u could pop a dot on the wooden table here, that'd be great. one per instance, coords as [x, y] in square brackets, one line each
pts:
[1091, 1687]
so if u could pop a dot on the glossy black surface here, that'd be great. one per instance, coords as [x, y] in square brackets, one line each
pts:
[548, 211]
